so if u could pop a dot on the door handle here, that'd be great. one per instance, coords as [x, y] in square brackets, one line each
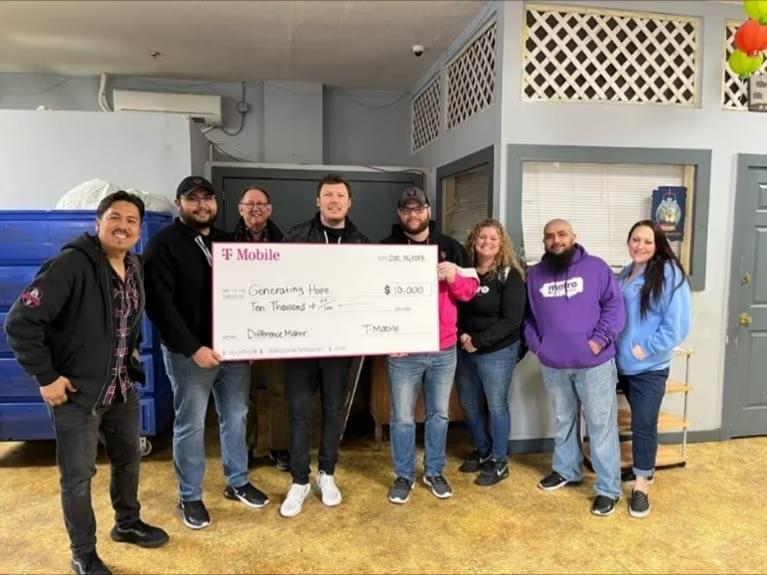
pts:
[745, 320]
[746, 279]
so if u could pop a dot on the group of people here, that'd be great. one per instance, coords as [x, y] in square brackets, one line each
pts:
[75, 328]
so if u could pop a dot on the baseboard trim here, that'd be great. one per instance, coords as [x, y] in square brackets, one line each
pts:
[547, 444]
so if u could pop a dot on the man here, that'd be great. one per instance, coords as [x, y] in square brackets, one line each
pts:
[576, 312]
[179, 302]
[255, 225]
[407, 372]
[303, 377]
[75, 329]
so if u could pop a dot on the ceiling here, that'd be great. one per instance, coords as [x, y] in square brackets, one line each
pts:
[363, 44]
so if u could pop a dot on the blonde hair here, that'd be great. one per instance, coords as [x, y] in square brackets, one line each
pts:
[506, 256]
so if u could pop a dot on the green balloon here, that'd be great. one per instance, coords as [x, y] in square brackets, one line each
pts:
[756, 9]
[743, 64]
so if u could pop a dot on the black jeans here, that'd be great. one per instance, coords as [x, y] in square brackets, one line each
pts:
[644, 392]
[77, 431]
[302, 379]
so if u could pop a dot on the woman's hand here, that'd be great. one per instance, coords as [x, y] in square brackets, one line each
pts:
[638, 352]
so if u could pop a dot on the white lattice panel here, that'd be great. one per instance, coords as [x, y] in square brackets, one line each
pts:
[471, 78]
[425, 115]
[585, 54]
[734, 89]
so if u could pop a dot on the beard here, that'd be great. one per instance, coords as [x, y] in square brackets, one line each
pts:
[198, 220]
[415, 228]
[559, 262]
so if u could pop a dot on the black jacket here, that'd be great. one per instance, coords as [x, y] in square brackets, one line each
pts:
[273, 233]
[493, 317]
[179, 287]
[312, 232]
[449, 248]
[62, 324]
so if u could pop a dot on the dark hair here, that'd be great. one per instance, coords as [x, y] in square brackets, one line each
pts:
[655, 272]
[334, 179]
[257, 188]
[120, 196]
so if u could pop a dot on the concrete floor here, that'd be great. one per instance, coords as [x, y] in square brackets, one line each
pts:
[709, 517]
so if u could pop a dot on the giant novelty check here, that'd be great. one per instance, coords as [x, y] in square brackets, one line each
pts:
[318, 300]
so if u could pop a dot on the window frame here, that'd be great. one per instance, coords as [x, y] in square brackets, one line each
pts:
[700, 159]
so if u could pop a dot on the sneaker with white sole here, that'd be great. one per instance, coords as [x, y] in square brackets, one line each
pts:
[400, 492]
[439, 486]
[326, 485]
[294, 500]
[640, 504]
[248, 494]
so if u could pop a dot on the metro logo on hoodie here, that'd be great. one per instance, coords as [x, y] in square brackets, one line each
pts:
[568, 309]
[569, 288]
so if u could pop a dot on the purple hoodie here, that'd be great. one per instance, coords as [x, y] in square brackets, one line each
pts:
[567, 310]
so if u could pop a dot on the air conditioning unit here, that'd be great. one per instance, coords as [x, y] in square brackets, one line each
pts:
[197, 107]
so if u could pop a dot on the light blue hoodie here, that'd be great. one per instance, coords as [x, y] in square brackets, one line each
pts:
[665, 326]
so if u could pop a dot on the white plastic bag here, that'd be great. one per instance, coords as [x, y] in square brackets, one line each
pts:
[86, 196]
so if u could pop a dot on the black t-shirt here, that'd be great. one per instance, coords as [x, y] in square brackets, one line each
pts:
[493, 317]
[333, 235]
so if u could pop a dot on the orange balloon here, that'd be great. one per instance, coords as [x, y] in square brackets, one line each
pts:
[749, 37]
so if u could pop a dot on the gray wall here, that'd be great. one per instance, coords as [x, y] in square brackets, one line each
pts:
[366, 126]
[348, 127]
[480, 131]
[44, 154]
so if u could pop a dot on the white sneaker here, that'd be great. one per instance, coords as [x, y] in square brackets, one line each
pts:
[326, 485]
[294, 500]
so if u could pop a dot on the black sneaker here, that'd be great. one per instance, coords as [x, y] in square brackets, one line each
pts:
[640, 504]
[280, 458]
[193, 514]
[474, 462]
[439, 486]
[628, 476]
[90, 564]
[400, 491]
[492, 474]
[554, 481]
[139, 533]
[603, 505]
[248, 494]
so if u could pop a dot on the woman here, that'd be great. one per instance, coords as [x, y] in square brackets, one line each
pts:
[657, 300]
[489, 331]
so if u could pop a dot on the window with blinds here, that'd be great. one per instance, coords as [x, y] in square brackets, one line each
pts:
[602, 201]
[464, 201]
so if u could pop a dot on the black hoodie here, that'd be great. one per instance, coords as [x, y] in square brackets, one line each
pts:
[313, 232]
[62, 323]
[179, 286]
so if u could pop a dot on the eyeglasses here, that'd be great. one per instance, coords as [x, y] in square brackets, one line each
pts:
[408, 211]
[209, 199]
[255, 205]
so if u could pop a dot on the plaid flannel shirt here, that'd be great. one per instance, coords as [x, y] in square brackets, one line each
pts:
[125, 300]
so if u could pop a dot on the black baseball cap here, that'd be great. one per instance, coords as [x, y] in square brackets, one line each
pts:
[413, 194]
[192, 183]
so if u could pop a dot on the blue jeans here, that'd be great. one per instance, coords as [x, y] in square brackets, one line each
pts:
[487, 376]
[406, 374]
[644, 392]
[192, 385]
[594, 389]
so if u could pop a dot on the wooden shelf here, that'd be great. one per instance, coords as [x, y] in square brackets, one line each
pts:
[668, 455]
[666, 421]
[676, 386]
